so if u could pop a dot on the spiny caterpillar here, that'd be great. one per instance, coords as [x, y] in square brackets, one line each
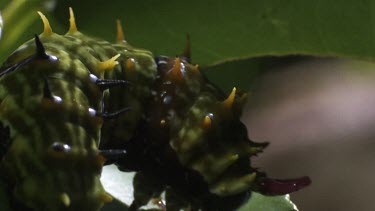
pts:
[71, 103]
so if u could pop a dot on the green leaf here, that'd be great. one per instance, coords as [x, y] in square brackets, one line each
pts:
[119, 185]
[268, 203]
[222, 30]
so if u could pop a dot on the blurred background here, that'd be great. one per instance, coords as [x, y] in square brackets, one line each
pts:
[319, 116]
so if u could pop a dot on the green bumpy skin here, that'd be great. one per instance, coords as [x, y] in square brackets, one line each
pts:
[53, 162]
[195, 130]
[182, 134]
[204, 127]
[42, 176]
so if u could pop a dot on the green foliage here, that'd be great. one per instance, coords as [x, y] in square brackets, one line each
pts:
[222, 30]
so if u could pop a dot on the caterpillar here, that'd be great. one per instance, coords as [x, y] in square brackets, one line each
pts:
[70, 104]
